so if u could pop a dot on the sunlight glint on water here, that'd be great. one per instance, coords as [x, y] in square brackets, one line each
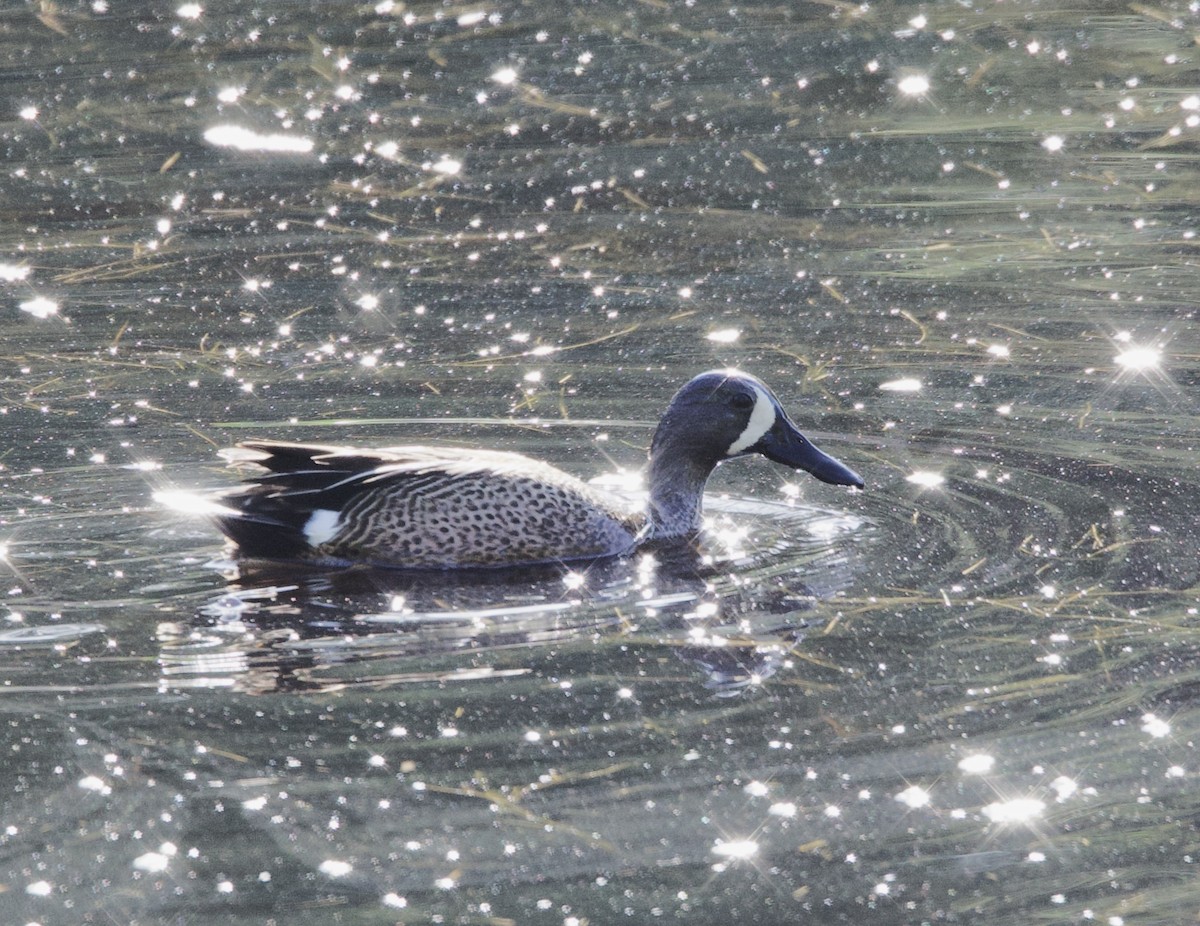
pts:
[957, 240]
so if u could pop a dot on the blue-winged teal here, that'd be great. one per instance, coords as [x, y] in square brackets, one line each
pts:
[443, 507]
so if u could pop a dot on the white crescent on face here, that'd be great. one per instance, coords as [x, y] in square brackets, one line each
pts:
[762, 419]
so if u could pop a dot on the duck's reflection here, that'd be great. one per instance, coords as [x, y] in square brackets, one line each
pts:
[278, 628]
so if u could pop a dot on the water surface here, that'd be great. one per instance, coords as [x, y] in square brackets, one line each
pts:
[959, 242]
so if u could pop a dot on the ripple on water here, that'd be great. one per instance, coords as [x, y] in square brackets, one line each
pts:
[48, 634]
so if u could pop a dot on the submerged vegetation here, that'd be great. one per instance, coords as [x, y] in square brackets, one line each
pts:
[959, 237]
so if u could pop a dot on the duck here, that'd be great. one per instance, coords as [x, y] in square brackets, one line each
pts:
[445, 507]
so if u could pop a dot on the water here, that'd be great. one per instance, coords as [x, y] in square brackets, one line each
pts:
[958, 240]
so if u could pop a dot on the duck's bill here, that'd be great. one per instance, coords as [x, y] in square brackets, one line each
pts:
[785, 444]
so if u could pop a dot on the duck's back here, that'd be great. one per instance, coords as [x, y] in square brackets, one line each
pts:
[421, 507]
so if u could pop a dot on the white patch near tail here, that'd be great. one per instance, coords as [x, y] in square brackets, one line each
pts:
[762, 419]
[322, 526]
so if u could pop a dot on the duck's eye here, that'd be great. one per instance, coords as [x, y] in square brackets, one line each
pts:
[741, 401]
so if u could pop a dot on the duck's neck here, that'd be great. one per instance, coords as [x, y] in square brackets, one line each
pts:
[676, 495]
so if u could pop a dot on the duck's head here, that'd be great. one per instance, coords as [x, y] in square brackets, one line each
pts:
[726, 413]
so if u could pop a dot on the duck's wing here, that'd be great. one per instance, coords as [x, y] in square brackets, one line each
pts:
[323, 463]
[272, 513]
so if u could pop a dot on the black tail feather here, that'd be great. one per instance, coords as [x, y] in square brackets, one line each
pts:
[274, 507]
[263, 525]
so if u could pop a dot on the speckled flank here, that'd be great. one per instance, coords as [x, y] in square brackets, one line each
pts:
[436, 519]
[422, 507]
